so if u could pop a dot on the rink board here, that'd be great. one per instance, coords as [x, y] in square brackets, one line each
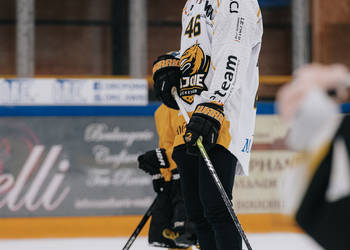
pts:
[71, 171]
[121, 226]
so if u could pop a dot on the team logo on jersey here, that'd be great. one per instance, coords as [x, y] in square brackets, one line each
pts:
[194, 65]
[188, 10]
[239, 29]
[234, 6]
[208, 8]
[230, 75]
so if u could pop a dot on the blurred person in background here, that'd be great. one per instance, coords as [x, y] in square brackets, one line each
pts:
[310, 104]
[169, 224]
[216, 76]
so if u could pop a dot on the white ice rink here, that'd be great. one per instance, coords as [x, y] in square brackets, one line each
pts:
[258, 241]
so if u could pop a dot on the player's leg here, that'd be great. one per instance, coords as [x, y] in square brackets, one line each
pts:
[188, 166]
[226, 234]
[181, 225]
[161, 216]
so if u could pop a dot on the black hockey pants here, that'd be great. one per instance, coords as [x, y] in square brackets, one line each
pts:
[205, 207]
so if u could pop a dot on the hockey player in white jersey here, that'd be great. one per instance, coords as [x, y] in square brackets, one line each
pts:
[216, 75]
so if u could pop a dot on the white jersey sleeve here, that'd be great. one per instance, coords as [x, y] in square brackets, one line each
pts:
[237, 31]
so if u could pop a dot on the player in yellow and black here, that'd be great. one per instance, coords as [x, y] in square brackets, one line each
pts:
[169, 225]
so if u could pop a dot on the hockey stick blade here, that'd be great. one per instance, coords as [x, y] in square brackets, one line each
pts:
[140, 226]
[213, 173]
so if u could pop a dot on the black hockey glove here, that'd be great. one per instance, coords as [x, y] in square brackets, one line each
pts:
[151, 162]
[206, 122]
[166, 74]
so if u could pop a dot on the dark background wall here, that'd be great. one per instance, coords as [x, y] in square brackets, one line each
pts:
[90, 37]
[71, 37]
[331, 31]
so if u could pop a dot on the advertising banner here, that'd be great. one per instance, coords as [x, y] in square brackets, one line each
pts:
[74, 166]
[81, 166]
[267, 188]
[86, 166]
[267, 199]
[50, 91]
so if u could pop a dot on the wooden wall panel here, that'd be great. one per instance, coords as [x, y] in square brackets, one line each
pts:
[87, 49]
[7, 9]
[160, 10]
[62, 48]
[331, 31]
[7, 49]
[74, 9]
[73, 50]
[275, 55]
[7, 38]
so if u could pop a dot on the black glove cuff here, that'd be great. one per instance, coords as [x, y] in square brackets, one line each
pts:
[166, 75]
[162, 158]
[206, 121]
[165, 63]
[211, 111]
[151, 161]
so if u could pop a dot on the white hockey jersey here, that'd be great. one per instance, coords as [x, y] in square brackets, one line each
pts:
[220, 45]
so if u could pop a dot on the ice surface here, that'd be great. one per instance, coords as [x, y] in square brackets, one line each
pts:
[275, 241]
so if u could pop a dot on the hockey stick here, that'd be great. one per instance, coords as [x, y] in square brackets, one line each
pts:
[140, 226]
[213, 173]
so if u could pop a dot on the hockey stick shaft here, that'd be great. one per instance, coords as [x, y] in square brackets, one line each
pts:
[213, 173]
[223, 193]
[140, 226]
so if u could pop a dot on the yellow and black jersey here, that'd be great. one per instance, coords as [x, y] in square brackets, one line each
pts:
[166, 120]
